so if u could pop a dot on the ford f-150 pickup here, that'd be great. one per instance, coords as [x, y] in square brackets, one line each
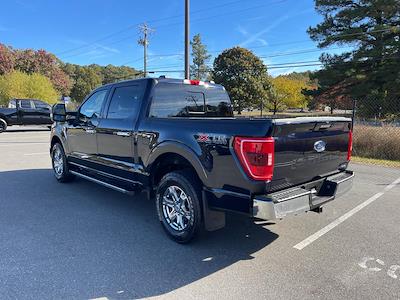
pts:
[25, 112]
[178, 141]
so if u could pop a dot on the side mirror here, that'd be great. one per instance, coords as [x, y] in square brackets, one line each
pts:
[58, 113]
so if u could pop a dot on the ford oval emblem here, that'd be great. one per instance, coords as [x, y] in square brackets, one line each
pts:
[319, 146]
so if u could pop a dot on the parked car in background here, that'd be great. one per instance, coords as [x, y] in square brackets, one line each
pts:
[25, 112]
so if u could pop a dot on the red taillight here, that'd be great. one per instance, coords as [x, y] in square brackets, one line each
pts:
[193, 82]
[350, 146]
[256, 156]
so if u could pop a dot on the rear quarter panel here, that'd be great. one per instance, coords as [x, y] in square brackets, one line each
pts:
[210, 144]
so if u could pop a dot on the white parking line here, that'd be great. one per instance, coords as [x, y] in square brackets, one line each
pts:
[38, 153]
[343, 218]
[13, 144]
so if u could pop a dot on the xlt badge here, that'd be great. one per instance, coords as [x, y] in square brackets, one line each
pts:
[211, 138]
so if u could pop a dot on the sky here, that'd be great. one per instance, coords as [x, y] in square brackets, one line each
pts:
[106, 32]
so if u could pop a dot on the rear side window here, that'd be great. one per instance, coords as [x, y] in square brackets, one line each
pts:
[25, 104]
[218, 103]
[125, 102]
[176, 100]
[40, 104]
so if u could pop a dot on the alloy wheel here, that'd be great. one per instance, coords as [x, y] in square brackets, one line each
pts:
[177, 208]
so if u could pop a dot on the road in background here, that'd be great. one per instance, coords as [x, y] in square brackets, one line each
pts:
[83, 241]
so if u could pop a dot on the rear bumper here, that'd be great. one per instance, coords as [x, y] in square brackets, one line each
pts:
[302, 198]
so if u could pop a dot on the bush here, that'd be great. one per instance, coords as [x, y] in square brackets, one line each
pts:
[377, 142]
[21, 85]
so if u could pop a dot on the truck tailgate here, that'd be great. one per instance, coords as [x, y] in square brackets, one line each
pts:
[308, 148]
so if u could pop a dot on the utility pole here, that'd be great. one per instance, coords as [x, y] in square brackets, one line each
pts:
[187, 40]
[144, 41]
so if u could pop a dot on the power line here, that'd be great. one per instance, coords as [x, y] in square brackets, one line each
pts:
[262, 56]
[106, 37]
[215, 16]
[163, 26]
[310, 63]
[228, 13]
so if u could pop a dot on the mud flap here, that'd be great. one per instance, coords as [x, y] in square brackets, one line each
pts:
[213, 219]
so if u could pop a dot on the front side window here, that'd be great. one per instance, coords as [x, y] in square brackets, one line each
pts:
[92, 106]
[125, 102]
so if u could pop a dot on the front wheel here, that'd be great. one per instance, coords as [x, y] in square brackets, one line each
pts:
[59, 163]
[178, 204]
[3, 125]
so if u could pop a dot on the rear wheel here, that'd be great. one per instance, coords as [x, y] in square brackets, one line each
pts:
[59, 162]
[3, 125]
[178, 205]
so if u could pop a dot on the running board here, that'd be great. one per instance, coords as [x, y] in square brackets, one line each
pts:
[116, 188]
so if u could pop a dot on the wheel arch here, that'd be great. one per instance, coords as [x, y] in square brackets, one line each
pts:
[55, 139]
[171, 156]
[4, 118]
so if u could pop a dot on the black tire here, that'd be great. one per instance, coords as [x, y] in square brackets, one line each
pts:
[59, 163]
[3, 125]
[190, 205]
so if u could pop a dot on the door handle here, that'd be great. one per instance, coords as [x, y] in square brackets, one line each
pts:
[90, 131]
[123, 133]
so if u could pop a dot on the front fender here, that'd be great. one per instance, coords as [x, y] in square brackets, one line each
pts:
[182, 150]
[58, 132]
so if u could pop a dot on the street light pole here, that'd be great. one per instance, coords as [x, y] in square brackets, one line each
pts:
[187, 40]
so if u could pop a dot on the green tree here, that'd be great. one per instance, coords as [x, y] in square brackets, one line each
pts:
[243, 75]
[21, 85]
[96, 75]
[275, 100]
[199, 69]
[85, 79]
[370, 71]
[113, 74]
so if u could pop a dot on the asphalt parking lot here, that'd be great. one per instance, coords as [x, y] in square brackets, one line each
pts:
[84, 241]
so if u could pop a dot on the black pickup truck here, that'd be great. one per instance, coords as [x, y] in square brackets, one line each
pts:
[25, 112]
[179, 141]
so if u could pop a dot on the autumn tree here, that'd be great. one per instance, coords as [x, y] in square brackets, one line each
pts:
[30, 61]
[199, 69]
[17, 84]
[243, 75]
[287, 93]
[7, 59]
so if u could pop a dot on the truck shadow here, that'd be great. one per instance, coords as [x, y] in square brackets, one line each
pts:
[81, 240]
